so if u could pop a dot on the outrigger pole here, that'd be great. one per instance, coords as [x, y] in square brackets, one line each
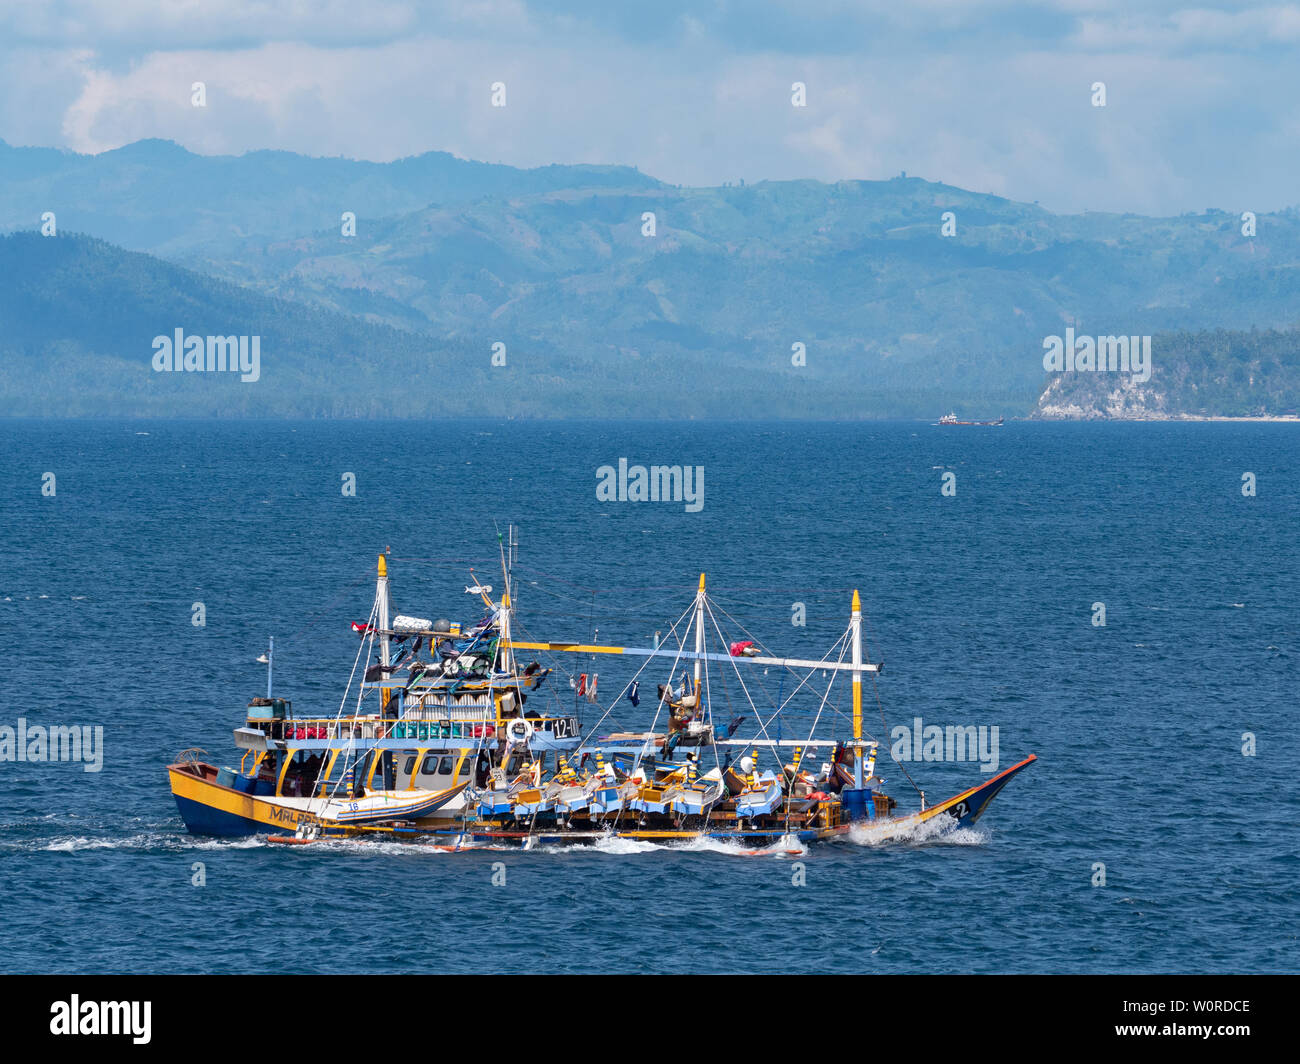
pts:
[690, 655]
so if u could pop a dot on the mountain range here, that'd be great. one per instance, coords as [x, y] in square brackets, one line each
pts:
[612, 293]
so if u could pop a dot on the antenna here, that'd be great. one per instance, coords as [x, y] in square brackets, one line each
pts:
[268, 659]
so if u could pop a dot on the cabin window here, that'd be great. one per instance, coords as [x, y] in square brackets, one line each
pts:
[410, 764]
[430, 766]
[465, 767]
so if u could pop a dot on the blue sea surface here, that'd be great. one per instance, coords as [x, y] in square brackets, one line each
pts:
[981, 606]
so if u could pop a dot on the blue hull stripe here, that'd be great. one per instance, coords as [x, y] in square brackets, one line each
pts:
[204, 820]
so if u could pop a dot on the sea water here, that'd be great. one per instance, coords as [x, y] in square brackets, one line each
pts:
[1157, 832]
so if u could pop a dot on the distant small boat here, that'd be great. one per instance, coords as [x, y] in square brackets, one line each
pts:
[951, 419]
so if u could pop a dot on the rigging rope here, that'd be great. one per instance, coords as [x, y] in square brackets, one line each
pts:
[885, 726]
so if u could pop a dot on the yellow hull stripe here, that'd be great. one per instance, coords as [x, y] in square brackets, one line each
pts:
[236, 803]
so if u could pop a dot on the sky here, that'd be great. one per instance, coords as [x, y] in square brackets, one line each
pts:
[1202, 102]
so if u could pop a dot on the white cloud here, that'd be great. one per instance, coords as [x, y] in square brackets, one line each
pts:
[1014, 118]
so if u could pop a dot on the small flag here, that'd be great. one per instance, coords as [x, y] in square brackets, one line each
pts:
[632, 695]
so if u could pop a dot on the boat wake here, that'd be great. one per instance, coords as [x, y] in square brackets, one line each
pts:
[937, 830]
[610, 845]
[158, 841]
[617, 846]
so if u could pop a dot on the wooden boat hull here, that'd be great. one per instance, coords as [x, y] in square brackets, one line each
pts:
[960, 811]
[210, 808]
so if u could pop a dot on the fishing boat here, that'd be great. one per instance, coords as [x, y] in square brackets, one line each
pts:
[951, 419]
[436, 740]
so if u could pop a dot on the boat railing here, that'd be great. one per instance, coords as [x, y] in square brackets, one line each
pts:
[485, 712]
[322, 728]
[421, 724]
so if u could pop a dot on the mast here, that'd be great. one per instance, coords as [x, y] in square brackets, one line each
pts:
[855, 624]
[507, 652]
[386, 693]
[507, 565]
[699, 638]
[381, 593]
[385, 653]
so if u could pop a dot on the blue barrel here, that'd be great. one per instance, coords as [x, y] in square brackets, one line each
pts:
[858, 805]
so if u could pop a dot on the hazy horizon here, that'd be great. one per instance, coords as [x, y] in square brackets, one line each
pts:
[632, 166]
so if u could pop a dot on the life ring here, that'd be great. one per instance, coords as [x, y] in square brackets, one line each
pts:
[514, 736]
